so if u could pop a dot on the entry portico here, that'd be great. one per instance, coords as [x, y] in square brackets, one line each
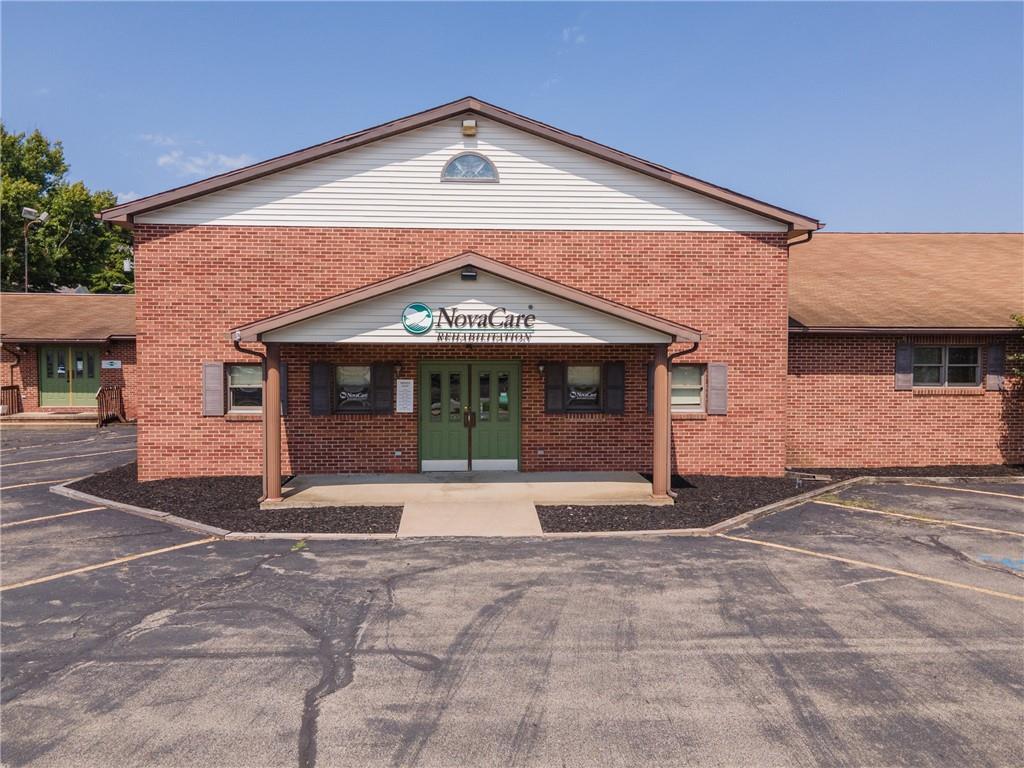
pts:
[473, 332]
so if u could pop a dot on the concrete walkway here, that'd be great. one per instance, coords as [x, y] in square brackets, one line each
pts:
[442, 518]
[482, 489]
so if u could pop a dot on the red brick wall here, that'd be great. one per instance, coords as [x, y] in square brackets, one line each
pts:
[195, 283]
[845, 412]
[26, 375]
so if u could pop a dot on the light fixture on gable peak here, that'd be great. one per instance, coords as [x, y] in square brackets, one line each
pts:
[469, 127]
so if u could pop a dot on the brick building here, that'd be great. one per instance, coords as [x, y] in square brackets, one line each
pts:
[469, 288]
[60, 348]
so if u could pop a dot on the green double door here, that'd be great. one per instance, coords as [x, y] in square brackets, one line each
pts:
[469, 410]
[68, 376]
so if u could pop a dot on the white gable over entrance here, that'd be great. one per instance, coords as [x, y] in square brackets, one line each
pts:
[487, 310]
[396, 182]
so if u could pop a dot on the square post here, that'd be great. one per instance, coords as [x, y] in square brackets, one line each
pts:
[662, 421]
[272, 424]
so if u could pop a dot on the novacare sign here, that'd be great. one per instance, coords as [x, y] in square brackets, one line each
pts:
[454, 325]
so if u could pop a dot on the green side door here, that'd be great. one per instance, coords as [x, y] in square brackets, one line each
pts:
[68, 376]
[464, 404]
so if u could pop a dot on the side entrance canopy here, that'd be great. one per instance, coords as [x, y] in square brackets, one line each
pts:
[468, 299]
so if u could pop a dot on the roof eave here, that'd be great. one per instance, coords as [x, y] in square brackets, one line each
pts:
[904, 330]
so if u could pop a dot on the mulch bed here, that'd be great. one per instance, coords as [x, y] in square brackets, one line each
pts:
[702, 500]
[944, 470]
[233, 503]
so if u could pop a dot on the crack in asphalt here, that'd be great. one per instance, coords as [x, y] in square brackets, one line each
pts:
[62, 658]
[935, 542]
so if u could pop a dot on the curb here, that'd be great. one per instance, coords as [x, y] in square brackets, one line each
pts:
[275, 535]
[720, 527]
[738, 521]
[150, 514]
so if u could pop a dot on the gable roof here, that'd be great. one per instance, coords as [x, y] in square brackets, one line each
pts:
[252, 331]
[45, 317]
[122, 214]
[906, 281]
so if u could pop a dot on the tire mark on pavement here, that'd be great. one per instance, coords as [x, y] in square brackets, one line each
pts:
[462, 655]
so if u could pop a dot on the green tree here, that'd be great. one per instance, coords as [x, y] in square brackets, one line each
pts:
[72, 247]
[1016, 361]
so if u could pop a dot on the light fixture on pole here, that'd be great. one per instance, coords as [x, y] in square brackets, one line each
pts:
[32, 216]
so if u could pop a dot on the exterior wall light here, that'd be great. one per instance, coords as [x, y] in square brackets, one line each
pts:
[468, 273]
[469, 127]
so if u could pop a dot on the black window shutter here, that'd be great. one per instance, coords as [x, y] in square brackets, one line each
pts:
[718, 389]
[382, 380]
[283, 382]
[213, 389]
[320, 389]
[904, 366]
[995, 367]
[554, 387]
[614, 375]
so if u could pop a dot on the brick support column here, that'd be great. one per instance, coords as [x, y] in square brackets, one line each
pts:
[659, 467]
[272, 424]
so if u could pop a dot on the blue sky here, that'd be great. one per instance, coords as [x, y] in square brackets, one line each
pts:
[870, 116]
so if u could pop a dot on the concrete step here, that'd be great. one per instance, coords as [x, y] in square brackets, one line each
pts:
[445, 518]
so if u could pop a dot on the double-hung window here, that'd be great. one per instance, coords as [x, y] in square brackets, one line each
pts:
[245, 388]
[688, 388]
[352, 384]
[946, 366]
[583, 388]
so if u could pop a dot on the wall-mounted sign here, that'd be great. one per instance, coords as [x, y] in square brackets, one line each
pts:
[110, 364]
[455, 325]
[404, 395]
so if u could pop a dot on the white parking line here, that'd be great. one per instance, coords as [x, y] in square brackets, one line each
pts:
[966, 490]
[65, 458]
[68, 442]
[107, 564]
[932, 520]
[39, 482]
[50, 517]
[885, 569]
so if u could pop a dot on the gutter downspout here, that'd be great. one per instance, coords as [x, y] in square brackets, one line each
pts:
[235, 338]
[17, 352]
[671, 358]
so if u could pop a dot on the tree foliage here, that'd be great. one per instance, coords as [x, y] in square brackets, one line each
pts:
[1016, 361]
[72, 247]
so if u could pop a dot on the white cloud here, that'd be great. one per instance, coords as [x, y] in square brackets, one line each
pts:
[574, 35]
[159, 139]
[550, 83]
[203, 164]
[127, 197]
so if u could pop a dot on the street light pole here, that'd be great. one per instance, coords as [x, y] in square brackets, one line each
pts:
[33, 217]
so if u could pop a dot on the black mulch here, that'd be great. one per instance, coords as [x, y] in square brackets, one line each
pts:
[233, 503]
[943, 470]
[702, 500]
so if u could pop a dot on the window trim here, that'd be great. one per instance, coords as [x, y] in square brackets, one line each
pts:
[245, 409]
[703, 407]
[335, 409]
[945, 365]
[598, 407]
[453, 158]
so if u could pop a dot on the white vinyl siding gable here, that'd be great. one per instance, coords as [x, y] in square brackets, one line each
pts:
[379, 320]
[396, 182]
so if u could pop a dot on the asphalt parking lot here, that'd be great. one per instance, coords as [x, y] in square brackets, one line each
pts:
[881, 625]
